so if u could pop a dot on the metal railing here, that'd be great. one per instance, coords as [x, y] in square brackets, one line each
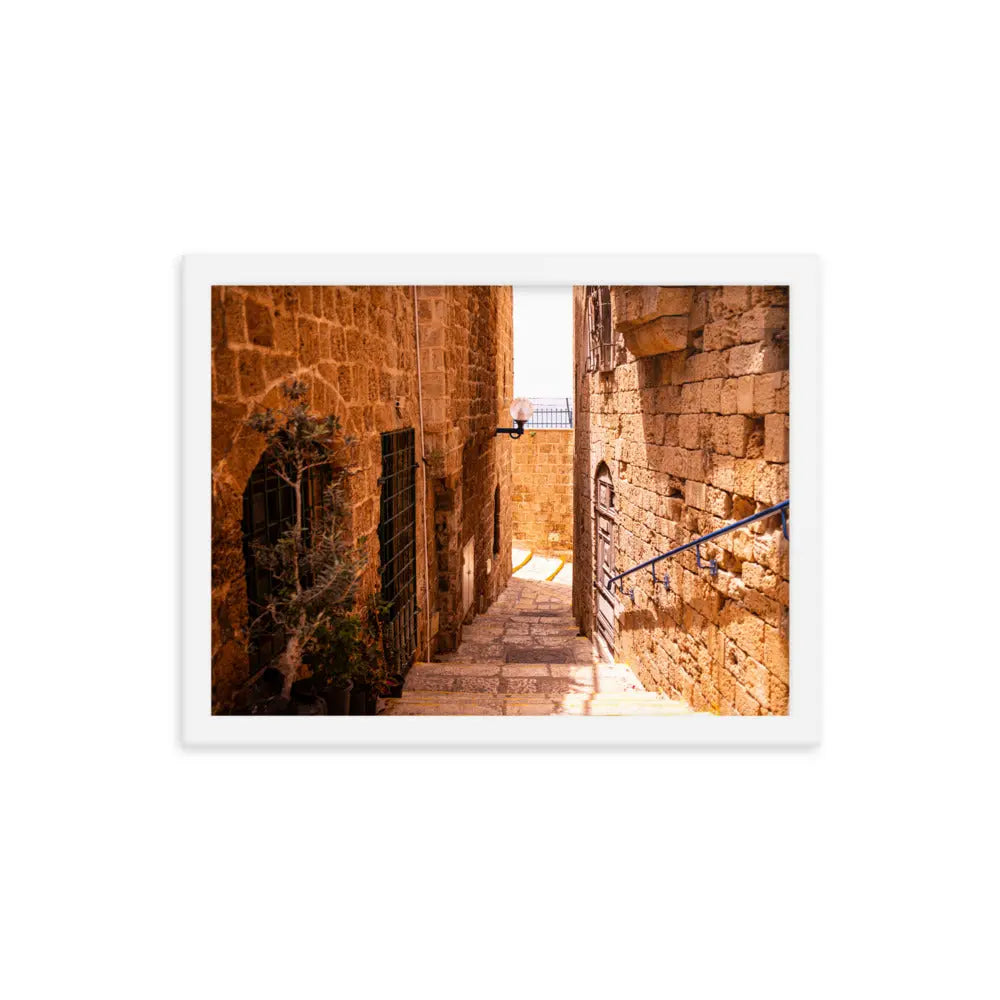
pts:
[550, 412]
[778, 508]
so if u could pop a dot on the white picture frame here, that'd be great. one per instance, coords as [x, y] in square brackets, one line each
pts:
[199, 728]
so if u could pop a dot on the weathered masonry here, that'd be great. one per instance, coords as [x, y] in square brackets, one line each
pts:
[543, 491]
[356, 350]
[682, 427]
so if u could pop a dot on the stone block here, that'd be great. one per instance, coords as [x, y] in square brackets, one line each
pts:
[735, 298]
[721, 472]
[720, 335]
[705, 365]
[667, 399]
[659, 336]
[637, 305]
[726, 684]
[738, 430]
[773, 295]
[707, 498]
[771, 483]
[308, 334]
[285, 337]
[756, 359]
[777, 701]
[698, 314]
[277, 366]
[727, 396]
[781, 396]
[235, 318]
[227, 421]
[218, 317]
[776, 653]
[765, 392]
[745, 475]
[765, 608]
[226, 384]
[691, 401]
[259, 324]
[711, 395]
[688, 430]
[694, 494]
[744, 628]
[760, 578]
[761, 323]
[756, 680]
[250, 365]
[776, 437]
[745, 704]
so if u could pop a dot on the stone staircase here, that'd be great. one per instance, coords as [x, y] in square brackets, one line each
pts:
[457, 688]
[524, 657]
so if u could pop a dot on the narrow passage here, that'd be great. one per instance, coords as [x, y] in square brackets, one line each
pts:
[524, 657]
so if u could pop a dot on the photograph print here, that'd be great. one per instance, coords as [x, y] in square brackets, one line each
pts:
[490, 500]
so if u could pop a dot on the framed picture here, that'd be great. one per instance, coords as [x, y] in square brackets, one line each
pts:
[500, 500]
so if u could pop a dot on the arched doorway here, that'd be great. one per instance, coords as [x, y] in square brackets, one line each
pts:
[604, 569]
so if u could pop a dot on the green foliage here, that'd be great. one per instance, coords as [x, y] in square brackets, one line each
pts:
[349, 648]
[316, 564]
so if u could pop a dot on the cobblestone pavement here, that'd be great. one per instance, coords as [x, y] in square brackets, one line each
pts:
[524, 657]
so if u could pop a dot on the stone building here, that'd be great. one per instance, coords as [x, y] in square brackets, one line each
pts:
[682, 427]
[543, 491]
[357, 351]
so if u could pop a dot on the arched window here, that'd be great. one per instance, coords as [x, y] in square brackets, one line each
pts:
[604, 553]
[496, 521]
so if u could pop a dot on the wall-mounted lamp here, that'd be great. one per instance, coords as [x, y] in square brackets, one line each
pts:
[521, 410]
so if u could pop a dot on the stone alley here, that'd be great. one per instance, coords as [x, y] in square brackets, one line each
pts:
[524, 656]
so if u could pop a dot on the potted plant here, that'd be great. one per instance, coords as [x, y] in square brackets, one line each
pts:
[374, 678]
[314, 565]
[332, 658]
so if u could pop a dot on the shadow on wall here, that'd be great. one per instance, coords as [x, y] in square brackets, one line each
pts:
[583, 479]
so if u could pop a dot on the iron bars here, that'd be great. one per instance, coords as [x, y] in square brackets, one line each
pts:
[397, 537]
[551, 412]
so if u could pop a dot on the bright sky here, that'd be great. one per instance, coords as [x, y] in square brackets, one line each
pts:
[543, 341]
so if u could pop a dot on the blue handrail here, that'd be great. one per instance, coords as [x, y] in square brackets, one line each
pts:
[778, 508]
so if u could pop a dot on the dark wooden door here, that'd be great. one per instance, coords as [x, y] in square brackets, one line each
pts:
[604, 518]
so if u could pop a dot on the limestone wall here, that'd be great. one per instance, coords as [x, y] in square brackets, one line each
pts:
[468, 377]
[356, 350]
[543, 491]
[694, 430]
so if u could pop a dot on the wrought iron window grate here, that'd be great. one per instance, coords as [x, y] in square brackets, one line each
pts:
[397, 536]
[600, 356]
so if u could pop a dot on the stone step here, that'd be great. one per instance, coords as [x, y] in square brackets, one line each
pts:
[646, 704]
[522, 678]
[466, 665]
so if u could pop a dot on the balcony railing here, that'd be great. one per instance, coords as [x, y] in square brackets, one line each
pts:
[550, 412]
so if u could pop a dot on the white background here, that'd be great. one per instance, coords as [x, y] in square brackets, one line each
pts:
[864, 132]
[543, 341]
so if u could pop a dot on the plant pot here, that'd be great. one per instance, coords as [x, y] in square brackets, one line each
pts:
[274, 706]
[310, 705]
[338, 699]
[363, 700]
